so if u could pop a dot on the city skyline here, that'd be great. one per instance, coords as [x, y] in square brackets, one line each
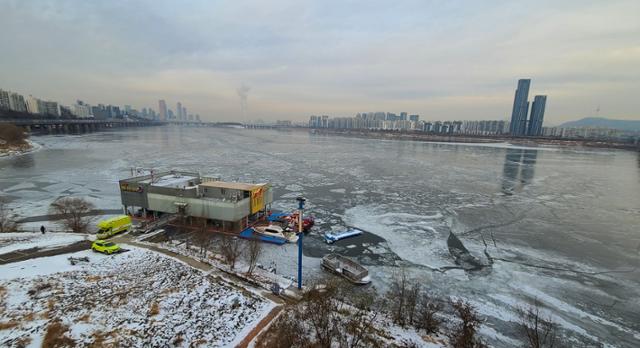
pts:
[444, 61]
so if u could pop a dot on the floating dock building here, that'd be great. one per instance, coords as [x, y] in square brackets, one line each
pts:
[226, 206]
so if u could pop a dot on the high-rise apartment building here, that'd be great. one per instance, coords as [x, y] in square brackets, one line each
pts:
[49, 108]
[520, 108]
[34, 105]
[16, 102]
[4, 100]
[162, 109]
[537, 115]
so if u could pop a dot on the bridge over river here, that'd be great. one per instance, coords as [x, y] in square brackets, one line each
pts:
[65, 126]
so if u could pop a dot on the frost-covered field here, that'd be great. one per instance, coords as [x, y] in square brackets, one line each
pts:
[25, 240]
[134, 299]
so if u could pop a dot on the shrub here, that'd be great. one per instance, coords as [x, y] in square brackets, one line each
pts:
[12, 134]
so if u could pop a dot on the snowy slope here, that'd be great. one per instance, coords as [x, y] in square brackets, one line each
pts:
[135, 299]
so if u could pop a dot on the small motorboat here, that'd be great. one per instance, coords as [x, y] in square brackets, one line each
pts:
[347, 268]
[291, 220]
[331, 237]
[276, 232]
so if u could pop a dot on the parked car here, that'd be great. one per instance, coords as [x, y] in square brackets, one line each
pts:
[105, 247]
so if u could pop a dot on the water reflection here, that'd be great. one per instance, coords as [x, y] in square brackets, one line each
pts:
[518, 170]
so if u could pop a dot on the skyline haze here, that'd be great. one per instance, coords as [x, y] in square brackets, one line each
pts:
[441, 60]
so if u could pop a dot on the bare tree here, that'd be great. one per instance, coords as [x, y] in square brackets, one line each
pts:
[7, 223]
[254, 249]
[426, 314]
[203, 238]
[74, 212]
[464, 335]
[403, 298]
[541, 332]
[367, 306]
[12, 135]
[230, 248]
[288, 331]
[322, 313]
[411, 302]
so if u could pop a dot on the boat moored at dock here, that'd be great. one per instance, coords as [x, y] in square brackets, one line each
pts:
[347, 268]
[331, 237]
[276, 231]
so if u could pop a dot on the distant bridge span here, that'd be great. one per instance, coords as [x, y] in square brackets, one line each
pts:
[78, 125]
[60, 125]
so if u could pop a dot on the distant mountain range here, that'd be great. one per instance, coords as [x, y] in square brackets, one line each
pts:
[601, 122]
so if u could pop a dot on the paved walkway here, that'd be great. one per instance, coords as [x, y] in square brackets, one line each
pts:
[27, 254]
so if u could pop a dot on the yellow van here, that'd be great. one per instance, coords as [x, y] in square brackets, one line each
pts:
[114, 225]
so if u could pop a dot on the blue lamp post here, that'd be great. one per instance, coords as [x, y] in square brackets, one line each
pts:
[301, 201]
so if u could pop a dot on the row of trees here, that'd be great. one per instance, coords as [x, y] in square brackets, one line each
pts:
[339, 315]
[230, 247]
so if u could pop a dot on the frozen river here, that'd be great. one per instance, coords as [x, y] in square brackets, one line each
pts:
[558, 224]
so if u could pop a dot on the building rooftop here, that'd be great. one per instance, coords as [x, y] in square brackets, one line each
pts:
[172, 180]
[232, 185]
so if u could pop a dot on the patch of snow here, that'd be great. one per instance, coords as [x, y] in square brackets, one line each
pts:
[10, 242]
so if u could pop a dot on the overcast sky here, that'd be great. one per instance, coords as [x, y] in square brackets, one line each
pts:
[440, 59]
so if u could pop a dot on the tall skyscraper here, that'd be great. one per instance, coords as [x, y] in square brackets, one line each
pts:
[162, 107]
[520, 108]
[184, 113]
[537, 115]
[179, 114]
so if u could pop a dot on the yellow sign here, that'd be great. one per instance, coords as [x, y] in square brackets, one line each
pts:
[130, 188]
[257, 199]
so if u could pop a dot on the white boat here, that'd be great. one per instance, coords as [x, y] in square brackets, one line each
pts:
[347, 268]
[277, 232]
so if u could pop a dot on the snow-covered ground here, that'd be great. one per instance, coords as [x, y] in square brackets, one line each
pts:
[135, 299]
[26, 240]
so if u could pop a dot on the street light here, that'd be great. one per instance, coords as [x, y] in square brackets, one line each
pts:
[301, 201]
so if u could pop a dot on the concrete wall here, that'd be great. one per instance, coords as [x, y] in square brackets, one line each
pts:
[206, 208]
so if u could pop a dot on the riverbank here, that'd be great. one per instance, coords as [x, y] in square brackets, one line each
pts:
[9, 150]
[419, 136]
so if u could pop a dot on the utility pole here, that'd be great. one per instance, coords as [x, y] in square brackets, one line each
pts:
[301, 201]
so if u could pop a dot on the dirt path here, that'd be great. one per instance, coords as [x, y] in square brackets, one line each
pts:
[261, 325]
[26, 254]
